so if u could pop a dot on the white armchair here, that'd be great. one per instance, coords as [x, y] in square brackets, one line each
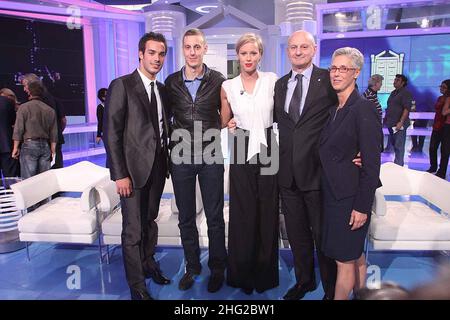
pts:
[410, 224]
[62, 219]
[168, 231]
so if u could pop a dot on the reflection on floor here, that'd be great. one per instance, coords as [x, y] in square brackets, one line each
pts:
[74, 272]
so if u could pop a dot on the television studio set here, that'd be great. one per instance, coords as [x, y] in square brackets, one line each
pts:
[203, 151]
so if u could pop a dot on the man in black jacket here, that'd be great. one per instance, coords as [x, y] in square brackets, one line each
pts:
[303, 99]
[194, 98]
[135, 136]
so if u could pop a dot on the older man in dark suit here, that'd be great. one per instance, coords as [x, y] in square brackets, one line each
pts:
[8, 165]
[135, 136]
[303, 98]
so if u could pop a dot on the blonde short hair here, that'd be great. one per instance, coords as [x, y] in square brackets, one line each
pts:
[250, 37]
[195, 32]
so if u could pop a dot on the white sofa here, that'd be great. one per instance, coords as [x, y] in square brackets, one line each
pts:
[62, 219]
[410, 224]
[168, 231]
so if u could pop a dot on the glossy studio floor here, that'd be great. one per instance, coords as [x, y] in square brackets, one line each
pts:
[57, 272]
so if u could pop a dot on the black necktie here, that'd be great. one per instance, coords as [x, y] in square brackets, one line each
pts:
[294, 105]
[154, 114]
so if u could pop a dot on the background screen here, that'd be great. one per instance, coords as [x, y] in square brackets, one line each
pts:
[50, 50]
[426, 63]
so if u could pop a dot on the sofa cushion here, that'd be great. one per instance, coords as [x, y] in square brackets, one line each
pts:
[60, 216]
[410, 221]
[112, 225]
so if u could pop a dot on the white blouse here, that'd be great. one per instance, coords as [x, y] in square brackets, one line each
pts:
[252, 112]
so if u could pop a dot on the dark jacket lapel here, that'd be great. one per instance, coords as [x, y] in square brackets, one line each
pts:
[315, 84]
[344, 113]
[163, 98]
[326, 128]
[284, 88]
[141, 93]
[282, 92]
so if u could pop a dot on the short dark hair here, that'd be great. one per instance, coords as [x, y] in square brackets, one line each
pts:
[101, 94]
[447, 83]
[36, 89]
[404, 79]
[159, 37]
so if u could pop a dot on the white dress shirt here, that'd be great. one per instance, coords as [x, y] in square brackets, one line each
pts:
[148, 88]
[252, 112]
[292, 82]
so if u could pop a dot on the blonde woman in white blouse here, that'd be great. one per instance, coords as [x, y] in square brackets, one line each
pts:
[247, 105]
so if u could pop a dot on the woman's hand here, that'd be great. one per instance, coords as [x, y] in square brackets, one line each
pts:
[357, 160]
[231, 125]
[357, 219]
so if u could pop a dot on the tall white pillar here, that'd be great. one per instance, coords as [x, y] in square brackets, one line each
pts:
[169, 20]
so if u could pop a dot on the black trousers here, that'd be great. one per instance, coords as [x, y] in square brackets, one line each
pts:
[59, 161]
[9, 167]
[253, 228]
[435, 141]
[303, 217]
[418, 141]
[139, 229]
[442, 172]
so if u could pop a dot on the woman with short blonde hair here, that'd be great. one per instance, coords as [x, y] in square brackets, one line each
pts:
[247, 107]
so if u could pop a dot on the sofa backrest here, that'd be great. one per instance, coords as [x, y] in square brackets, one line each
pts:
[398, 180]
[435, 190]
[30, 191]
[80, 176]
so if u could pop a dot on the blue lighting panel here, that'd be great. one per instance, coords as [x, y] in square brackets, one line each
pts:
[426, 62]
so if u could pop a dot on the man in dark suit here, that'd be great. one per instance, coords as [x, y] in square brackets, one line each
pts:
[303, 98]
[8, 165]
[135, 136]
[101, 95]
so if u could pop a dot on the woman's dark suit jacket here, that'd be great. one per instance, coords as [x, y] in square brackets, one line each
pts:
[359, 130]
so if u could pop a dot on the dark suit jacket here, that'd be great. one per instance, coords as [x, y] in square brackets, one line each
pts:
[129, 136]
[57, 106]
[7, 120]
[299, 142]
[358, 130]
[100, 111]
